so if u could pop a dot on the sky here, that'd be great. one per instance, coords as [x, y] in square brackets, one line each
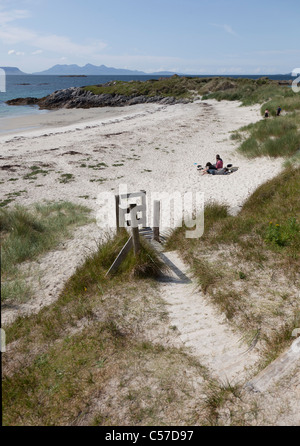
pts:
[183, 36]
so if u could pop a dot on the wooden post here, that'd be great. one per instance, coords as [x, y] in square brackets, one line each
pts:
[156, 220]
[135, 230]
[121, 257]
[117, 200]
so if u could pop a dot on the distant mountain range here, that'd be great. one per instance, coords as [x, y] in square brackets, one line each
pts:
[102, 70]
[87, 70]
[93, 70]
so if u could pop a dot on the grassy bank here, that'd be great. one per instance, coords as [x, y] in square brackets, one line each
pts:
[248, 265]
[26, 234]
[278, 137]
[89, 358]
[104, 355]
[250, 91]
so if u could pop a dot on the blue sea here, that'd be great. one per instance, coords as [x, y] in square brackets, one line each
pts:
[22, 86]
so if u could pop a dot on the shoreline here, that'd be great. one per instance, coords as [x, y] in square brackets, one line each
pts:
[7, 119]
[56, 120]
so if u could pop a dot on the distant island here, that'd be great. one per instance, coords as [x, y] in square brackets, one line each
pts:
[86, 70]
[74, 70]
[94, 70]
[13, 70]
[73, 75]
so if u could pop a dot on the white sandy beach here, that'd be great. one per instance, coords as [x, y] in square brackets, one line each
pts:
[156, 145]
[147, 147]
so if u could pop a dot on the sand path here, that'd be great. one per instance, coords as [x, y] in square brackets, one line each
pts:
[201, 329]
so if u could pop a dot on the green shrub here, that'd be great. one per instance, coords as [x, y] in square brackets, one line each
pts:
[283, 234]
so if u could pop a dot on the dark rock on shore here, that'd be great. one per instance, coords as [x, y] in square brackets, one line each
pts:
[285, 82]
[75, 97]
[23, 101]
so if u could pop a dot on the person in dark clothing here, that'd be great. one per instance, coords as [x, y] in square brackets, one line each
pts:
[210, 169]
[278, 111]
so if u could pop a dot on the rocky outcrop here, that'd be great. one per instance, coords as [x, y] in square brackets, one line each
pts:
[285, 82]
[23, 101]
[75, 97]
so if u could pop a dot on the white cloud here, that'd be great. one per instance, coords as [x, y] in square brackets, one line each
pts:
[226, 28]
[62, 44]
[13, 35]
[34, 53]
[15, 53]
[229, 30]
[11, 16]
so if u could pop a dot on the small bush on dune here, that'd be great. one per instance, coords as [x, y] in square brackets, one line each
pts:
[283, 234]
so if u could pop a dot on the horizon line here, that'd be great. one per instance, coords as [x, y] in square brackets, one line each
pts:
[141, 73]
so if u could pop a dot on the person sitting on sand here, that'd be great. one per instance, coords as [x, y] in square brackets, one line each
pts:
[212, 168]
[219, 162]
